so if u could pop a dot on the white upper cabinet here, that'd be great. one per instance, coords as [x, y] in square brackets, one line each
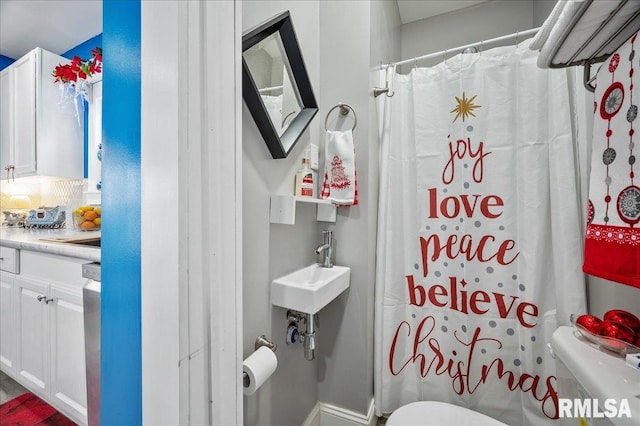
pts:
[40, 133]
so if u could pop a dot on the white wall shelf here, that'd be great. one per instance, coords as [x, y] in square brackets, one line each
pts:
[283, 209]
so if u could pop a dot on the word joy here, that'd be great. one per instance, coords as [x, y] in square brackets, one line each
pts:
[459, 151]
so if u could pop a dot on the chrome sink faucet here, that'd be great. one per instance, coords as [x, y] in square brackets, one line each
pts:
[326, 249]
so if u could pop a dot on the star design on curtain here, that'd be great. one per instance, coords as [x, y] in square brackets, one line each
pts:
[464, 107]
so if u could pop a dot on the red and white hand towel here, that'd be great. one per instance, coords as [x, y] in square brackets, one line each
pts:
[612, 244]
[340, 184]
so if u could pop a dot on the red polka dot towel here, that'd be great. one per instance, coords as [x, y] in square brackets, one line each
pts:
[612, 244]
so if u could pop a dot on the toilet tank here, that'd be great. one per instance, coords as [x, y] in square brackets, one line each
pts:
[595, 377]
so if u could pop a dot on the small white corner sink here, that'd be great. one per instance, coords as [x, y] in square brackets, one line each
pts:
[311, 288]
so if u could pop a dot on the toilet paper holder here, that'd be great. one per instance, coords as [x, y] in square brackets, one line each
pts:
[260, 341]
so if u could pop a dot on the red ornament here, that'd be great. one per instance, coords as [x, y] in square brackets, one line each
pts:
[612, 100]
[613, 64]
[616, 330]
[589, 322]
[624, 317]
[591, 211]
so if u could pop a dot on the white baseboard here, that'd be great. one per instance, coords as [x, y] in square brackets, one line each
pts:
[331, 415]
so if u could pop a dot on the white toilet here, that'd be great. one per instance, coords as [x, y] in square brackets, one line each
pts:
[434, 413]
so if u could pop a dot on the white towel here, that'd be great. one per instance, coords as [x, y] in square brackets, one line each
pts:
[339, 183]
[555, 27]
[574, 23]
[542, 35]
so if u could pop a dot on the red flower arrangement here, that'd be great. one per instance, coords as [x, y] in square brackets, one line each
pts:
[79, 69]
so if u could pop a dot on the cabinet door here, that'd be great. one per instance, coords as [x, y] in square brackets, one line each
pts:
[6, 119]
[8, 324]
[33, 342]
[68, 384]
[24, 110]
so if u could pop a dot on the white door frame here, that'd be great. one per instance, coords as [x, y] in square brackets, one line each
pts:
[192, 210]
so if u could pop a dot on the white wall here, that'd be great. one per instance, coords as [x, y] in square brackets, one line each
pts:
[271, 250]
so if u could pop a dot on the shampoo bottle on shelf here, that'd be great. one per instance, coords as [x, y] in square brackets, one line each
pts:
[305, 179]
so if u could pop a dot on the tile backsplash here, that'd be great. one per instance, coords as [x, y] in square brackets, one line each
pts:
[32, 193]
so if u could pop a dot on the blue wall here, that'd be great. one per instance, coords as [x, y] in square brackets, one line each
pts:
[5, 61]
[83, 50]
[121, 370]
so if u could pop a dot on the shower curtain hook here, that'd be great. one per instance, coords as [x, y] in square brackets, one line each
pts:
[444, 56]
[415, 63]
[481, 41]
[517, 37]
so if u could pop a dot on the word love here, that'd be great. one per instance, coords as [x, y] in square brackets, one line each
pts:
[459, 151]
[451, 207]
[478, 302]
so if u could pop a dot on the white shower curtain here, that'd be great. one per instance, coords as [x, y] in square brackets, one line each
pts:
[479, 235]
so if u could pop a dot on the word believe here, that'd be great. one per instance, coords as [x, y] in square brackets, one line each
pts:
[477, 302]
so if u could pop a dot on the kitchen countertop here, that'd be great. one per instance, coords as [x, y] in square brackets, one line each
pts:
[30, 240]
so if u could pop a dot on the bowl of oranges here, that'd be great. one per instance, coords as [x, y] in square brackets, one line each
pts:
[87, 218]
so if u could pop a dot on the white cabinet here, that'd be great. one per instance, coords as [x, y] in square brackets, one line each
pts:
[39, 135]
[67, 364]
[49, 331]
[9, 266]
[33, 356]
[8, 326]
[23, 148]
[6, 119]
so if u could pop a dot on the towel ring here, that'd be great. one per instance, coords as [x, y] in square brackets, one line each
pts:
[344, 110]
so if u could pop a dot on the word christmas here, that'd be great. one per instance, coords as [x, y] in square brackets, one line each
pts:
[466, 373]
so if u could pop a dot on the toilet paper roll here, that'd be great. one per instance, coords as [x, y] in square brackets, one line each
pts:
[259, 366]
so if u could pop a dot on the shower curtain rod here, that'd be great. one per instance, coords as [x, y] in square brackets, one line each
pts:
[516, 35]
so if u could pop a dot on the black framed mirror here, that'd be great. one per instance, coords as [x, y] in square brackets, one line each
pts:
[275, 84]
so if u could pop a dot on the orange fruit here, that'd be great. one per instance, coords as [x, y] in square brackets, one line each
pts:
[87, 224]
[90, 215]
